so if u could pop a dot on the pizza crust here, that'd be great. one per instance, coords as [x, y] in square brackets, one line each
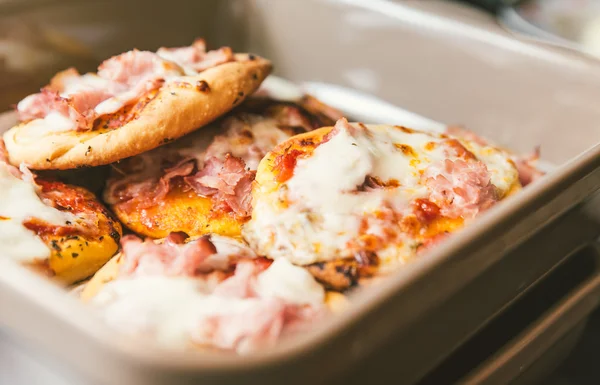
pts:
[175, 111]
[180, 210]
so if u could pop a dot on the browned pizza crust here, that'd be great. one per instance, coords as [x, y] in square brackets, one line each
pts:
[177, 109]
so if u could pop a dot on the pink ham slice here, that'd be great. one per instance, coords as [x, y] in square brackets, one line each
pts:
[228, 182]
[460, 188]
[75, 108]
[122, 79]
[128, 77]
[196, 57]
[528, 173]
[258, 326]
[169, 258]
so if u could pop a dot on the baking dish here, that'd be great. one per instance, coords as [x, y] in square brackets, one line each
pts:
[459, 70]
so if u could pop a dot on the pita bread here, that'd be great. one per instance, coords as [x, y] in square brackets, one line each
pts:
[175, 110]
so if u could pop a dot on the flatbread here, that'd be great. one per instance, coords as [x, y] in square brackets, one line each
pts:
[175, 110]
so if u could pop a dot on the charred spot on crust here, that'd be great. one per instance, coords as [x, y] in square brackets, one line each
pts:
[251, 57]
[166, 140]
[54, 245]
[114, 234]
[307, 142]
[89, 149]
[254, 76]
[336, 275]
[236, 100]
[373, 182]
[202, 86]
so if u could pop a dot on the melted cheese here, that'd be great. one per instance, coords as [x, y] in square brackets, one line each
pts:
[167, 54]
[323, 213]
[171, 308]
[19, 201]
[75, 83]
[281, 89]
[290, 283]
[53, 122]
[265, 135]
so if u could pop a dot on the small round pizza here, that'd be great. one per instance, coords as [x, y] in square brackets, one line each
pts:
[60, 230]
[201, 183]
[354, 201]
[136, 101]
[209, 292]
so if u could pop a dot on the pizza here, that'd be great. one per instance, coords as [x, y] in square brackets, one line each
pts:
[201, 183]
[57, 229]
[211, 292]
[135, 102]
[356, 201]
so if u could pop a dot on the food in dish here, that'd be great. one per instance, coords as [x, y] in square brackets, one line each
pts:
[136, 101]
[58, 229]
[208, 292]
[258, 224]
[354, 200]
[202, 184]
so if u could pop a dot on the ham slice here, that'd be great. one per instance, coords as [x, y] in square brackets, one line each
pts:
[121, 80]
[460, 188]
[259, 327]
[528, 173]
[169, 258]
[246, 317]
[195, 56]
[228, 182]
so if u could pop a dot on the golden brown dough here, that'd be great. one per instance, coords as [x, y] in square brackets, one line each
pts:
[177, 109]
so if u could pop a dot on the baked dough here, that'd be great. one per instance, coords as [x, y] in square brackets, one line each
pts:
[175, 110]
